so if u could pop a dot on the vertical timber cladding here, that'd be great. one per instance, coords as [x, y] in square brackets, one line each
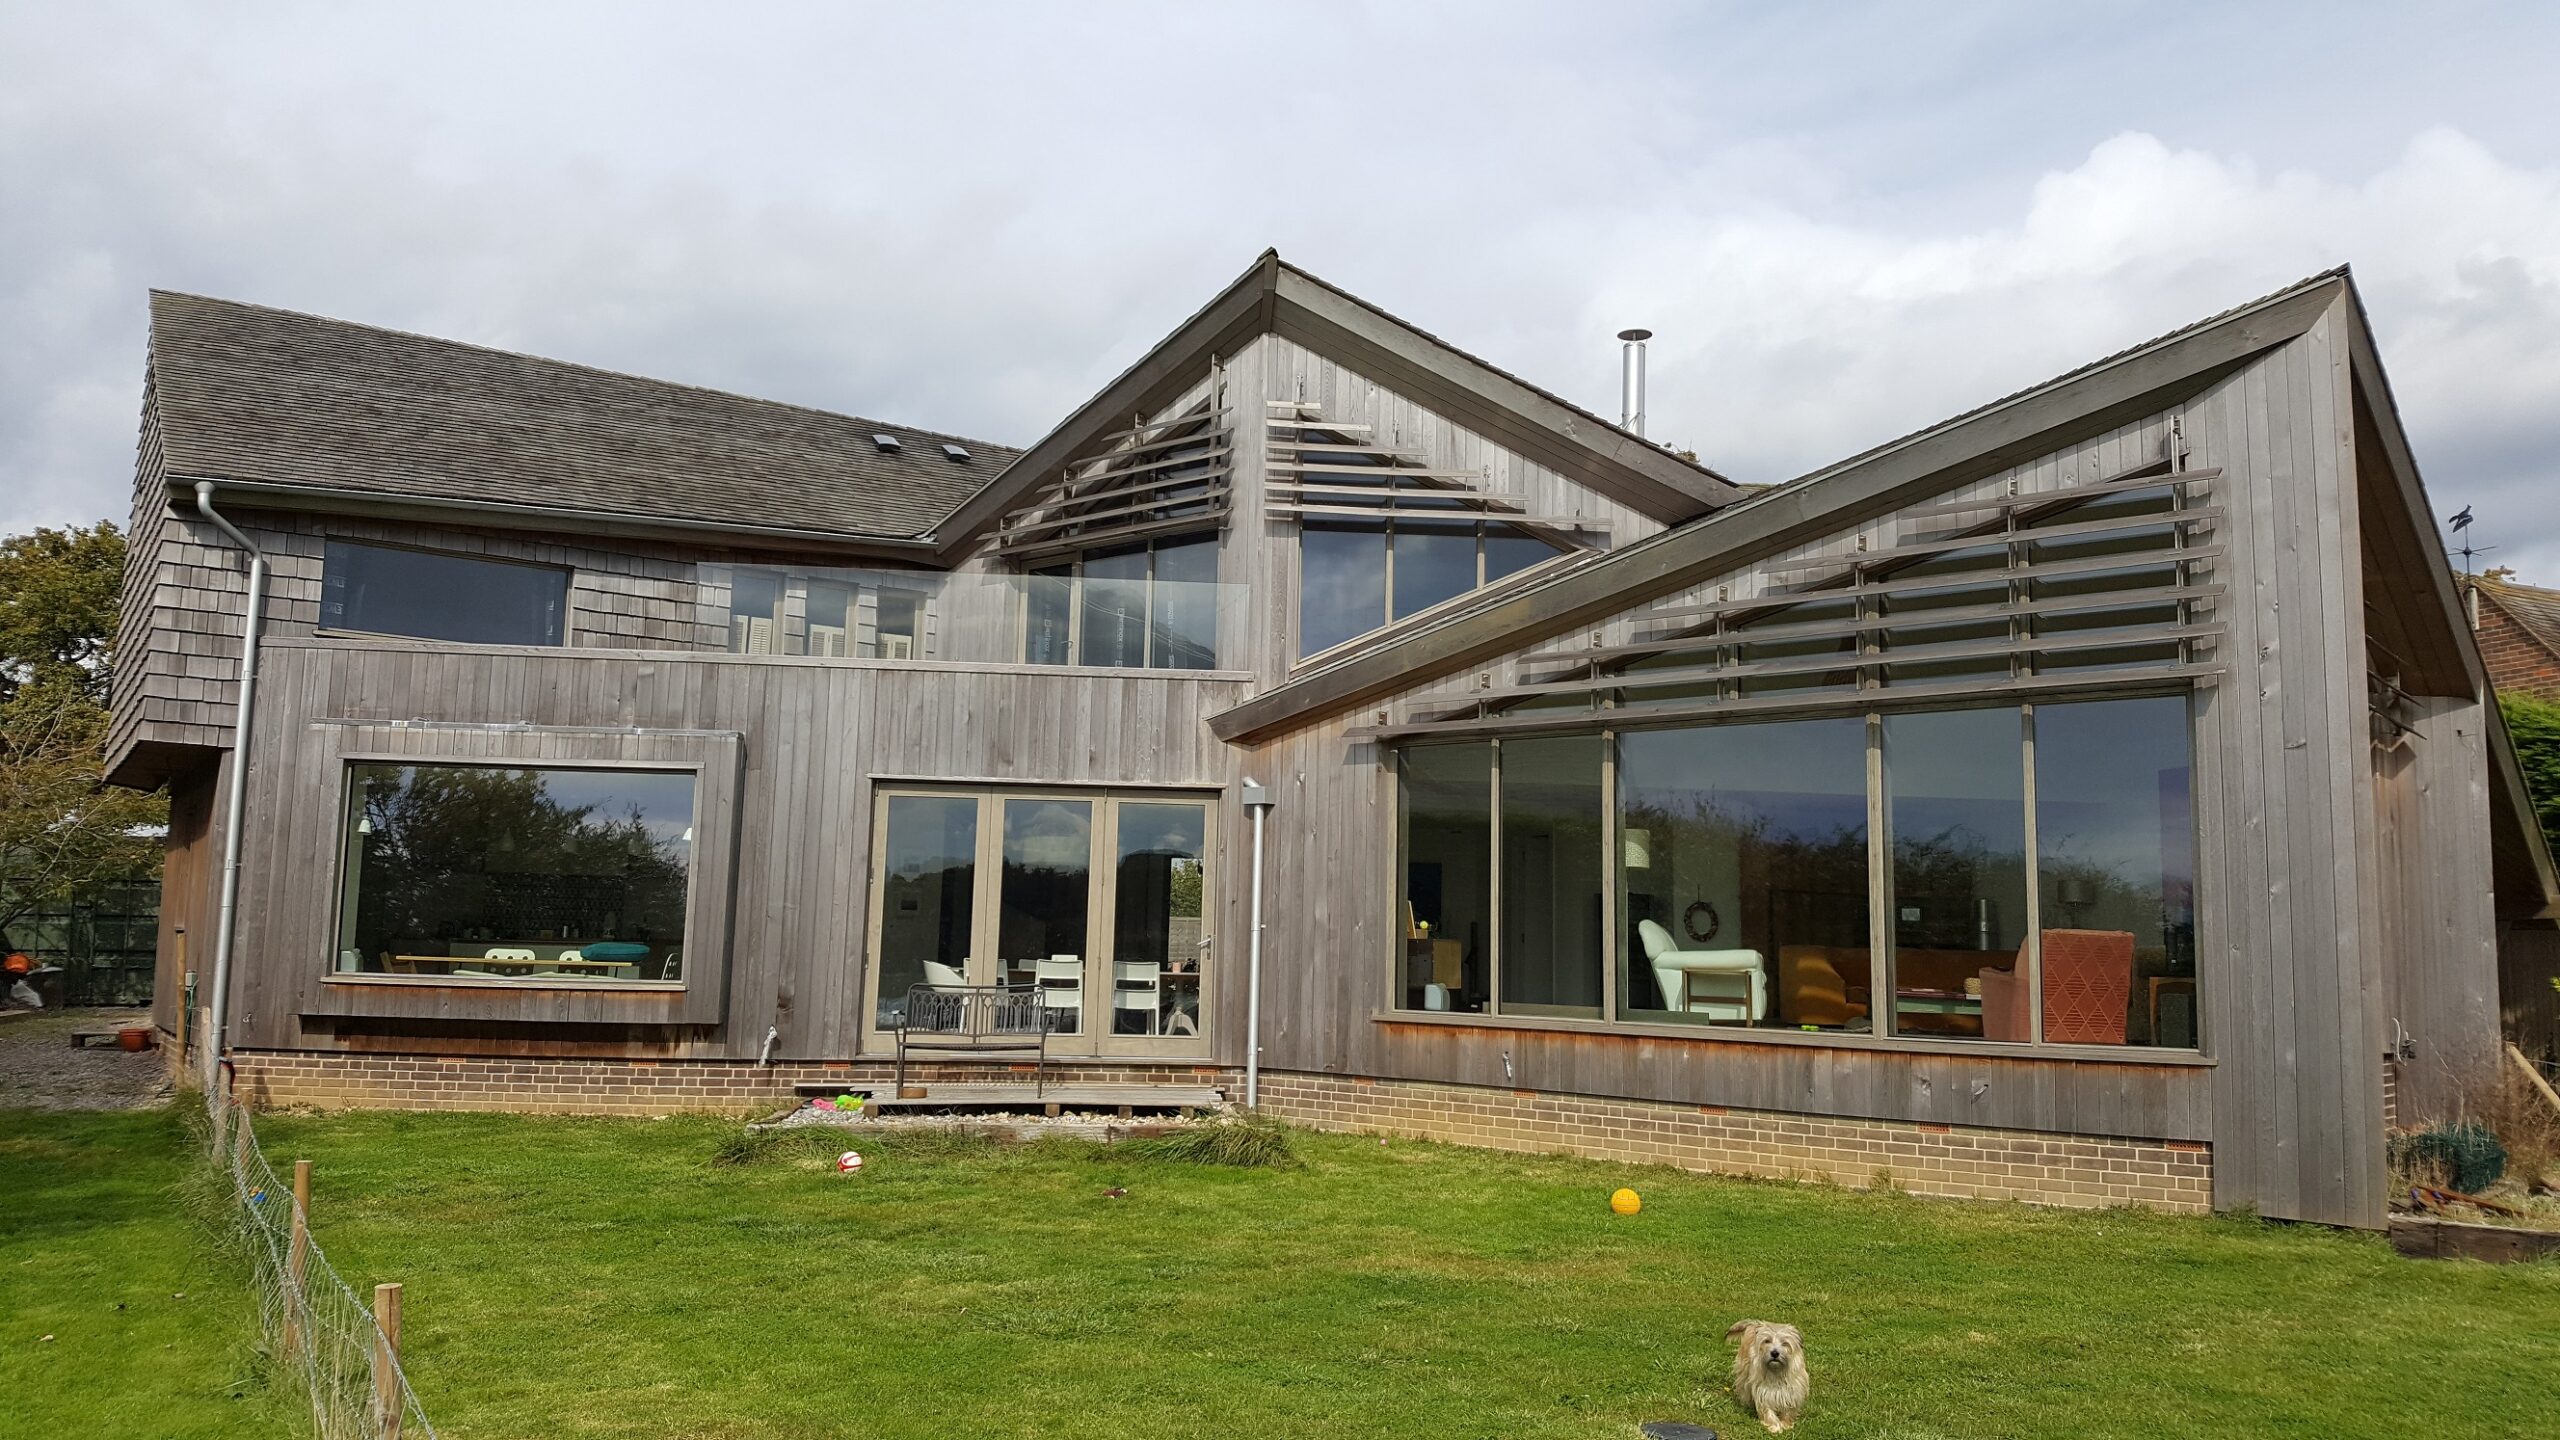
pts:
[2287, 864]
[814, 733]
[1331, 925]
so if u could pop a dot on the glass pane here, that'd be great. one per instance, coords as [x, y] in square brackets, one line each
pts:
[1744, 855]
[1342, 584]
[1186, 606]
[2115, 852]
[1551, 876]
[1048, 602]
[1508, 552]
[1447, 800]
[928, 896]
[1157, 949]
[1955, 797]
[899, 629]
[384, 590]
[830, 618]
[1042, 916]
[1433, 562]
[508, 874]
[1115, 609]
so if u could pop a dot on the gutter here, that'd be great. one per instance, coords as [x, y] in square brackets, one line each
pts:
[251, 622]
[551, 518]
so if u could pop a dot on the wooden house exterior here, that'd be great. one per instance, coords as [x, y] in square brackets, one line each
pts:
[930, 711]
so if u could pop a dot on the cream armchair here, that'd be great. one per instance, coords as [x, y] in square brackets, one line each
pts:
[1718, 984]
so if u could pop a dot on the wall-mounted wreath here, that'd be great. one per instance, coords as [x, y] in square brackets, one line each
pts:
[1701, 921]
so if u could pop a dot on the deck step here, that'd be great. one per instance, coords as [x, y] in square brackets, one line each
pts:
[1069, 1096]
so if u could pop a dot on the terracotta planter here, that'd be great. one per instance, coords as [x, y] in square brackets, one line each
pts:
[134, 1037]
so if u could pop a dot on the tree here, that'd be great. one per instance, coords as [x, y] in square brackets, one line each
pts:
[2535, 727]
[63, 829]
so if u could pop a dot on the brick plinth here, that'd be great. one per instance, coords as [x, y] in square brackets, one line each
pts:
[1945, 1160]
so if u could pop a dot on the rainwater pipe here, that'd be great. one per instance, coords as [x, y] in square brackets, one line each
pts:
[236, 802]
[1258, 801]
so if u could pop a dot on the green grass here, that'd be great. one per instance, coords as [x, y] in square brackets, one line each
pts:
[606, 1278]
[101, 1248]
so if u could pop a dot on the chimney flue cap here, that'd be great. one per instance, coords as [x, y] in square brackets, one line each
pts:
[1635, 335]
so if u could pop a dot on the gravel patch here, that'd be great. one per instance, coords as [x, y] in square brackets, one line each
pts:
[1070, 1125]
[40, 1071]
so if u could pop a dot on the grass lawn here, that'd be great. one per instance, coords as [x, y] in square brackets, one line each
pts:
[578, 1278]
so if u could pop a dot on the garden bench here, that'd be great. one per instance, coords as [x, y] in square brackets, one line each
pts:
[970, 1020]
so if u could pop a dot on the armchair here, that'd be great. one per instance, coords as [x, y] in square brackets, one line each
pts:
[1734, 986]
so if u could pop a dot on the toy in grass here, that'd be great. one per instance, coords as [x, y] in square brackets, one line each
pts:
[853, 1103]
[849, 1162]
[1626, 1202]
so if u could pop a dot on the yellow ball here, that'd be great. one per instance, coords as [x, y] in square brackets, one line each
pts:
[1626, 1202]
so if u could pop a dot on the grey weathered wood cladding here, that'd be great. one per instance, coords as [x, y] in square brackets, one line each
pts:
[2347, 891]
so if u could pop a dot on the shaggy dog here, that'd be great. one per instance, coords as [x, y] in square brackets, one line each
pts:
[1769, 1377]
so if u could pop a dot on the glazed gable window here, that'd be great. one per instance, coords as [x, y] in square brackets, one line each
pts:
[432, 595]
[501, 873]
[1151, 606]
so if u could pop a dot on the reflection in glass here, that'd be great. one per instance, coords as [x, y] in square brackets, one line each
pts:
[1049, 600]
[1115, 609]
[830, 618]
[1743, 853]
[1185, 630]
[1955, 804]
[2115, 845]
[1158, 948]
[1433, 562]
[928, 896]
[468, 599]
[755, 612]
[514, 874]
[1508, 551]
[1446, 795]
[1045, 907]
[1551, 875]
[1342, 583]
[900, 634]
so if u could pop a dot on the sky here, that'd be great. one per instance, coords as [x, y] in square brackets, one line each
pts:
[1843, 222]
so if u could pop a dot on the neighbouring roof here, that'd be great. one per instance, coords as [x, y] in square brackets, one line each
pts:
[2533, 608]
[266, 397]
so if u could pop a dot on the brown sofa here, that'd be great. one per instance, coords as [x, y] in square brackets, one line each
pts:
[1826, 985]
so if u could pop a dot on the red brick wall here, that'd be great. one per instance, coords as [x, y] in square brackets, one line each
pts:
[2518, 663]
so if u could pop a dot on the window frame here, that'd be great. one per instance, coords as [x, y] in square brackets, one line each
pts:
[567, 575]
[715, 758]
[1385, 530]
[1074, 565]
[1872, 706]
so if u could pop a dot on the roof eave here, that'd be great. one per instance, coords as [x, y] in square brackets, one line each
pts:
[2136, 383]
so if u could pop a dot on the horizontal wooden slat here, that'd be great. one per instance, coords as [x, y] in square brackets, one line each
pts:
[1377, 472]
[1209, 502]
[1211, 472]
[1387, 492]
[1943, 544]
[1560, 522]
[2046, 570]
[2034, 499]
[1896, 697]
[1077, 544]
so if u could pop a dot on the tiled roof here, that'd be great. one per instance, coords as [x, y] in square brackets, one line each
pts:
[257, 395]
[2530, 606]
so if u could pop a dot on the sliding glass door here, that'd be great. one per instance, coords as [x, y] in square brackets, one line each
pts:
[1099, 899]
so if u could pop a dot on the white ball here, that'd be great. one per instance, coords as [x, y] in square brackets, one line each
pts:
[848, 1162]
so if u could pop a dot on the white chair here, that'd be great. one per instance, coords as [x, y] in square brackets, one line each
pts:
[947, 977]
[503, 952]
[1061, 981]
[1138, 985]
[1736, 987]
[570, 954]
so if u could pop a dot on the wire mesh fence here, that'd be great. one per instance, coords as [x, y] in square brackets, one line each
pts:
[321, 1335]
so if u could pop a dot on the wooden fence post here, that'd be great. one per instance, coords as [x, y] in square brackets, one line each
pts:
[297, 1258]
[239, 1143]
[387, 1408]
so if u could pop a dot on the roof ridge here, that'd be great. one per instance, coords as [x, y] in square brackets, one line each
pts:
[158, 294]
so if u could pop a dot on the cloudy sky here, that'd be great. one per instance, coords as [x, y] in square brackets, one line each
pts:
[1843, 221]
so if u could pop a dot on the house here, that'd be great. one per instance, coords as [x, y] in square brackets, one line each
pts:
[2088, 799]
[2519, 633]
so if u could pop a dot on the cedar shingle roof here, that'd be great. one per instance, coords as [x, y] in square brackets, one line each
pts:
[251, 394]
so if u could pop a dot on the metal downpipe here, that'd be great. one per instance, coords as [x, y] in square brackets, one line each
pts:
[235, 803]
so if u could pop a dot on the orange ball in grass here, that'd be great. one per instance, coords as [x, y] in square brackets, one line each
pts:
[1626, 1202]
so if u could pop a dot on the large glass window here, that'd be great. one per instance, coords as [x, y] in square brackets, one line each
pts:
[2115, 847]
[495, 873]
[1745, 856]
[1356, 575]
[1447, 799]
[1151, 606]
[1552, 876]
[470, 599]
[1096, 900]
[1955, 806]
[1744, 861]
[780, 612]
